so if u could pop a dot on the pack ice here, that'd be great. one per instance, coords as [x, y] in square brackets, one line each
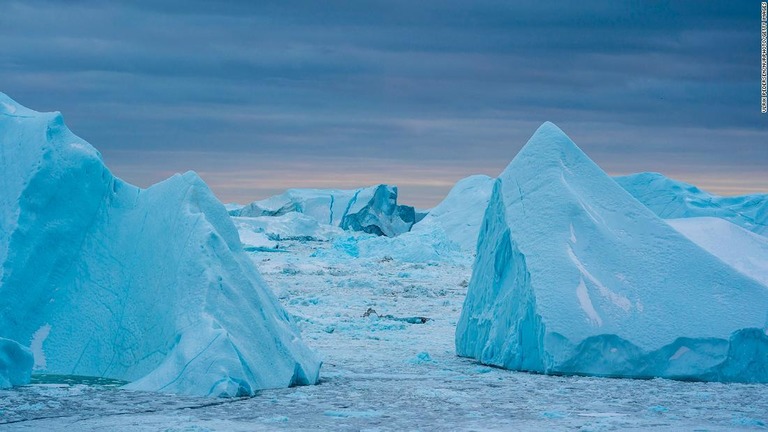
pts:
[149, 286]
[671, 199]
[575, 276]
[372, 210]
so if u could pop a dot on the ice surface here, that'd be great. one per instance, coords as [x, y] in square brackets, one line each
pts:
[16, 363]
[149, 286]
[743, 250]
[290, 226]
[575, 276]
[460, 214]
[372, 210]
[671, 199]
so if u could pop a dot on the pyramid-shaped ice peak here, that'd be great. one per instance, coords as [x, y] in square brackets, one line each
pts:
[549, 147]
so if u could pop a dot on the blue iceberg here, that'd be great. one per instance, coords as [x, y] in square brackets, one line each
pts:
[575, 276]
[149, 286]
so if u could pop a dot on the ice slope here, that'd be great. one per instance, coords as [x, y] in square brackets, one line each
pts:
[460, 214]
[574, 276]
[671, 199]
[743, 250]
[149, 286]
[373, 209]
[16, 363]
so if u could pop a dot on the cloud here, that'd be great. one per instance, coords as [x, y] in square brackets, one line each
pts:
[458, 86]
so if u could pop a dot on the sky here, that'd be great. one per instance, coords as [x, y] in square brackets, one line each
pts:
[260, 96]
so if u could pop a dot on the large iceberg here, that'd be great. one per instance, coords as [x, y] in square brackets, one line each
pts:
[671, 199]
[575, 276]
[373, 210]
[149, 286]
[16, 363]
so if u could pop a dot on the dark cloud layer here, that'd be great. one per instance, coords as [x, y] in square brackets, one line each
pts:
[260, 96]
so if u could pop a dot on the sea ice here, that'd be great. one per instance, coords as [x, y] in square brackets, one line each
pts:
[575, 276]
[149, 285]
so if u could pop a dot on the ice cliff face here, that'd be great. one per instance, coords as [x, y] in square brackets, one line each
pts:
[671, 199]
[148, 286]
[373, 210]
[575, 276]
[16, 364]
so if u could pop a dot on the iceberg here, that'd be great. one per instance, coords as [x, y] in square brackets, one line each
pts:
[447, 233]
[149, 286]
[460, 214]
[575, 276]
[373, 210]
[672, 199]
[16, 363]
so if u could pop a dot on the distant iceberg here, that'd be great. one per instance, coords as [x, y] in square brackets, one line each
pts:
[460, 214]
[149, 285]
[16, 363]
[670, 199]
[575, 276]
[448, 232]
[372, 210]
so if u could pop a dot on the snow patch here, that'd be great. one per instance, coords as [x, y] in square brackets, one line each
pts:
[36, 346]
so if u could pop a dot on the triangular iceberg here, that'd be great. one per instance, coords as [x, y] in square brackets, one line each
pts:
[575, 276]
[149, 285]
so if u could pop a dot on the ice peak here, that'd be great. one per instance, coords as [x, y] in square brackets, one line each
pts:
[548, 147]
[548, 137]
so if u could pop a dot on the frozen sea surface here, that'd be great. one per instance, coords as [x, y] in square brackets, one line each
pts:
[386, 373]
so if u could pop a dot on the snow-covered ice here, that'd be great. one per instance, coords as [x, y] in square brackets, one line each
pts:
[149, 286]
[460, 214]
[671, 199]
[296, 226]
[373, 210]
[743, 250]
[575, 276]
[16, 364]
